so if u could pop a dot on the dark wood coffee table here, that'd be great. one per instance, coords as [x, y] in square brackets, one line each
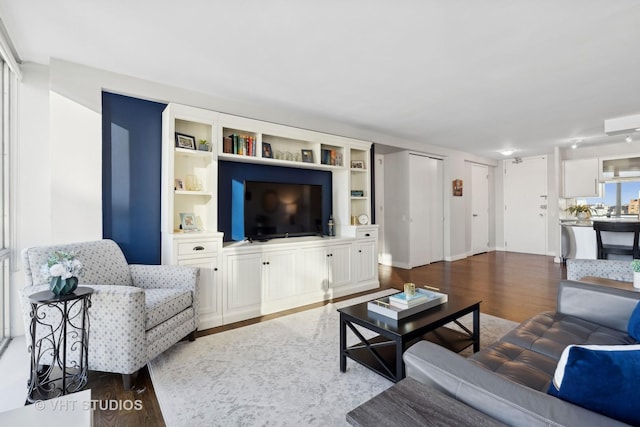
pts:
[383, 353]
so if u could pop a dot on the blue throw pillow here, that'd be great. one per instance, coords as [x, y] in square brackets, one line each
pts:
[633, 327]
[602, 379]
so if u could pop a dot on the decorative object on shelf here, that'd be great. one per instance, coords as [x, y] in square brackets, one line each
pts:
[63, 269]
[635, 266]
[307, 156]
[357, 193]
[363, 219]
[188, 221]
[354, 219]
[179, 185]
[457, 187]
[185, 141]
[266, 151]
[203, 145]
[330, 226]
[192, 183]
[410, 289]
[357, 164]
[582, 212]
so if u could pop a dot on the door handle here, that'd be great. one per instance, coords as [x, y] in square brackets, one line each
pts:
[198, 248]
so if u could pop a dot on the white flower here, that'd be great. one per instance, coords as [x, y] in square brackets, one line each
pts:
[57, 270]
[62, 264]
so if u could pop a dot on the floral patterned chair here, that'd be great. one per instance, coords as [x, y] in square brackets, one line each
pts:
[137, 311]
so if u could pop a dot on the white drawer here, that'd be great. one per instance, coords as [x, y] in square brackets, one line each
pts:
[367, 233]
[202, 247]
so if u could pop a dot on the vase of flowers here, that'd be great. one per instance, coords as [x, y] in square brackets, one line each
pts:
[63, 269]
[582, 212]
[635, 266]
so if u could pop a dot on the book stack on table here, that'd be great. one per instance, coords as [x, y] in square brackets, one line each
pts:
[401, 305]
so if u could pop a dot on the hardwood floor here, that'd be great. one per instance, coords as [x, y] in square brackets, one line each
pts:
[512, 286]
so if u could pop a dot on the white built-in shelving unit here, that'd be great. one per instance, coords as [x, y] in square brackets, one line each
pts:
[240, 280]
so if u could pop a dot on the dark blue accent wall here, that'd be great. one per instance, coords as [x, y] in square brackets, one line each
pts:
[131, 168]
[231, 203]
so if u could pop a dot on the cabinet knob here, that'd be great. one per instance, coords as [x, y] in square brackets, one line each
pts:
[215, 269]
[360, 250]
[367, 235]
[198, 248]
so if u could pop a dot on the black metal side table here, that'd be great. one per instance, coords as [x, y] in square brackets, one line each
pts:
[59, 343]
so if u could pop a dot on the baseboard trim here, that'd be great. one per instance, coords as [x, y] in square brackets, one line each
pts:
[455, 257]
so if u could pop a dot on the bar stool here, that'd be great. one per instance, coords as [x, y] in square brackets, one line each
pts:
[606, 249]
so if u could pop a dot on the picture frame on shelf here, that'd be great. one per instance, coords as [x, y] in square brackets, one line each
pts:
[357, 164]
[185, 141]
[267, 153]
[307, 156]
[179, 184]
[188, 221]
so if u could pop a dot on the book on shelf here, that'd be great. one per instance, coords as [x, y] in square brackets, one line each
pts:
[329, 157]
[242, 145]
[384, 307]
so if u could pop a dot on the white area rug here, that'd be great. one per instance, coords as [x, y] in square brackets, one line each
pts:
[282, 372]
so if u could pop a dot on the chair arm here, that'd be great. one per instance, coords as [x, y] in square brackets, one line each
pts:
[164, 276]
[606, 306]
[512, 403]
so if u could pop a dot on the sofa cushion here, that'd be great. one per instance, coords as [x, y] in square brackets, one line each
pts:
[602, 379]
[550, 333]
[518, 364]
[162, 304]
[633, 327]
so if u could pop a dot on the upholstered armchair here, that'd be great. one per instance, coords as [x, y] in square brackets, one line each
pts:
[607, 268]
[137, 311]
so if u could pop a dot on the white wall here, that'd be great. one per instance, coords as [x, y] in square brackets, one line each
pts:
[32, 178]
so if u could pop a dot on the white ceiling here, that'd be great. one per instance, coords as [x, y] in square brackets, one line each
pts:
[477, 76]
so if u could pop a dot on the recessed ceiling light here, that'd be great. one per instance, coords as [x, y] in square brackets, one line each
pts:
[638, 130]
[628, 139]
[507, 152]
[574, 145]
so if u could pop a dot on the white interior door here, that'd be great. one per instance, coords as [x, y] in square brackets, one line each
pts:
[419, 216]
[425, 210]
[525, 199]
[479, 209]
[436, 179]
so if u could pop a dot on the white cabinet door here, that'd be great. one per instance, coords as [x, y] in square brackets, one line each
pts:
[278, 275]
[366, 266]
[243, 286]
[581, 178]
[340, 266]
[312, 276]
[209, 291]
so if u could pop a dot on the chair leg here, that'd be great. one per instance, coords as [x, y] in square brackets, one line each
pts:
[128, 380]
[192, 336]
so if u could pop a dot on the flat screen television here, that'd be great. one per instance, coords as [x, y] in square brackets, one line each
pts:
[275, 209]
